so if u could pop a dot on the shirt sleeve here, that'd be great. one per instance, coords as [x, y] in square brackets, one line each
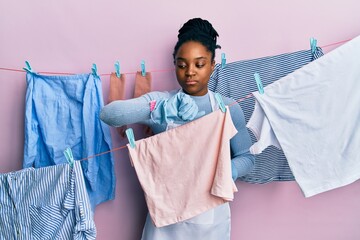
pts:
[242, 159]
[137, 110]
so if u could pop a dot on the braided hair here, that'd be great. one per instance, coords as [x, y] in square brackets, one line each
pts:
[198, 30]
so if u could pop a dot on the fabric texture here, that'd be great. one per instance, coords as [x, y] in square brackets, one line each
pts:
[61, 112]
[262, 130]
[117, 92]
[45, 204]
[215, 223]
[236, 80]
[143, 86]
[177, 182]
[314, 114]
[117, 87]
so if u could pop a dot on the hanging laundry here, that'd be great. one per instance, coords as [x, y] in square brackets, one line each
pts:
[117, 87]
[314, 113]
[61, 112]
[117, 92]
[45, 204]
[142, 86]
[177, 182]
[236, 80]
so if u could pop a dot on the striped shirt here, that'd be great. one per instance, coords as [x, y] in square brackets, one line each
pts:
[45, 203]
[236, 80]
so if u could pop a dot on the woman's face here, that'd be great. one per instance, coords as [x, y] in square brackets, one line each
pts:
[193, 68]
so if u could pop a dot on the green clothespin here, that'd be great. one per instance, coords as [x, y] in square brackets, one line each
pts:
[130, 136]
[143, 71]
[94, 70]
[223, 60]
[259, 83]
[28, 67]
[220, 102]
[69, 156]
[117, 69]
[313, 45]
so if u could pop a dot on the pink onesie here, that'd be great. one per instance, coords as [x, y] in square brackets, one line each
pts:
[186, 171]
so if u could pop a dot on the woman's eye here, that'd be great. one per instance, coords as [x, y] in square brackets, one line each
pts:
[200, 65]
[181, 66]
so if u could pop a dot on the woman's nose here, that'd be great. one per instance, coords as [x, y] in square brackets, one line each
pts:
[190, 71]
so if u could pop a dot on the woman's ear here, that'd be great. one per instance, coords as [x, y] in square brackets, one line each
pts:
[212, 65]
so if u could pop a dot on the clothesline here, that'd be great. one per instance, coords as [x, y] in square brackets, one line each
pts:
[119, 148]
[126, 73]
[164, 70]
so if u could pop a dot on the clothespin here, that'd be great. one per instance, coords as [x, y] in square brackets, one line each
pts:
[130, 136]
[28, 67]
[69, 156]
[259, 83]
[223, 60]
[143, 71]
[220, 102]
[94, 70]
[117, 69]
[313, 43]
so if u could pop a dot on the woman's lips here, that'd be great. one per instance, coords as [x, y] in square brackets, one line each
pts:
[191, 82]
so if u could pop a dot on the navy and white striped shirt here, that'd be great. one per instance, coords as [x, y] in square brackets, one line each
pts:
[45, 203]
[236, 80]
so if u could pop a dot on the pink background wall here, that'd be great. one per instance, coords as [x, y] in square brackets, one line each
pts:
[68, 36]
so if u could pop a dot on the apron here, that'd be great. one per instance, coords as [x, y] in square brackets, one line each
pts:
[213, 224]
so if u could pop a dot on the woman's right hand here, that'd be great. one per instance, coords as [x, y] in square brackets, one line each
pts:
[179, 108]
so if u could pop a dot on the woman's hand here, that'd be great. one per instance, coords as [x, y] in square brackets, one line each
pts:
[178, 109]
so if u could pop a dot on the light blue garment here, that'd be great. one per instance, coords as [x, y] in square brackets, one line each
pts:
[61, 112]
[214, 224]
[45, 204]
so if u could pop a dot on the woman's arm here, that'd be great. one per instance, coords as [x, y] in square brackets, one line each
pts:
[137, 110]
[242, 161]
[169, 107]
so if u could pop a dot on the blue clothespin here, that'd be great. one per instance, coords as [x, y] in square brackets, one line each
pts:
[130, 136]
[223, 60]
[117, 69]
[259, 83]
[313, 44]
[28, 67]
[94, 70]
[69, 156]
[220, 102]
[143, 71]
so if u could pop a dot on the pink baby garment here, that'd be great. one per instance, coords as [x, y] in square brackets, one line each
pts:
[186, 170]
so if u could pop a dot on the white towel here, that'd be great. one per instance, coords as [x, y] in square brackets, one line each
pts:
[314, 113]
